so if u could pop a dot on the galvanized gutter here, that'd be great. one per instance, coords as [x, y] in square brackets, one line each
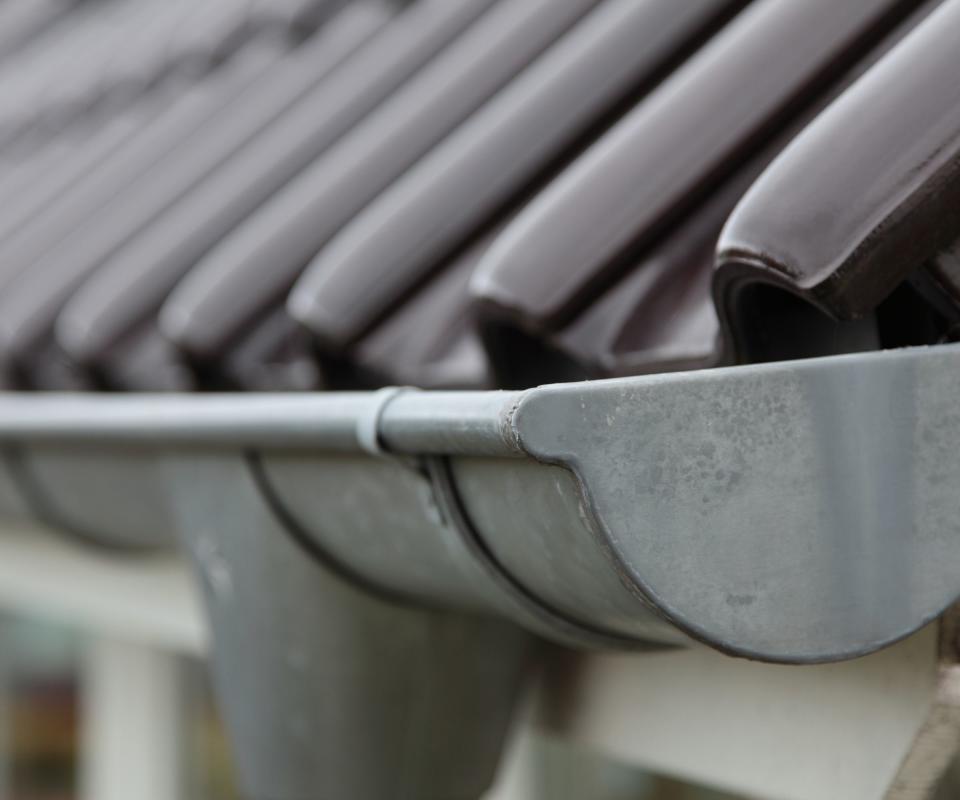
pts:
[378, 567]
[779, 511]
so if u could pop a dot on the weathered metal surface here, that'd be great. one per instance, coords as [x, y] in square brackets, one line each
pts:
[796, 511]
[792, 512]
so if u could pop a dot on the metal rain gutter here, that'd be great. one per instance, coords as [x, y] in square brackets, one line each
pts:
[672, 493]
[789, 512]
